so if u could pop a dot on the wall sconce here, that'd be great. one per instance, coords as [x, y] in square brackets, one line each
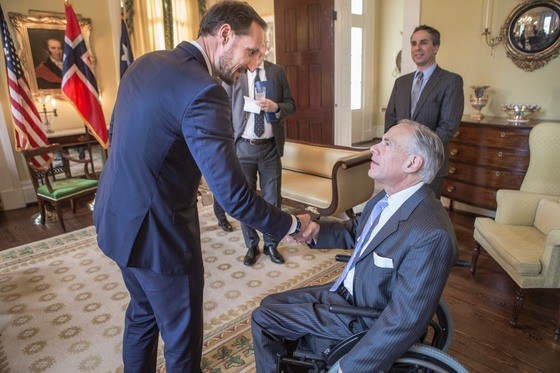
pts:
[43, 101]
[491, 41]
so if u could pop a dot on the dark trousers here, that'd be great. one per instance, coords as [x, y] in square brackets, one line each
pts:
[219, 211]
[286, 317]
[170, 304]
[261, 162]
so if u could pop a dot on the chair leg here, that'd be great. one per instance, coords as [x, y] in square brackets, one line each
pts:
[519, 298]
[59, 215]
[474, 259]
[557, 331]
[43, 211]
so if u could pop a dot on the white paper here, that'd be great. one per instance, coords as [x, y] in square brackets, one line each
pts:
[251, 105]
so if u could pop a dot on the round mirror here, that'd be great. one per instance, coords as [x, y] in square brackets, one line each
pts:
[532, 33]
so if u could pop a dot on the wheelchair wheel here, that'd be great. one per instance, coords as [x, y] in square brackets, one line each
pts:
[440, 330]
[423, 359]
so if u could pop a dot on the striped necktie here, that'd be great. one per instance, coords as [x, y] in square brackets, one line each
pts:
[363, 239]
[416, 92]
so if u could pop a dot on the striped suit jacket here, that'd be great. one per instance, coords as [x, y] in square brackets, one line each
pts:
[440, 106]
[420, 241]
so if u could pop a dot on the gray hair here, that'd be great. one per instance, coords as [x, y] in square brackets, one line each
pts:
[425, 143]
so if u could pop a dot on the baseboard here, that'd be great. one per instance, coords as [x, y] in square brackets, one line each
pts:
[12, 199]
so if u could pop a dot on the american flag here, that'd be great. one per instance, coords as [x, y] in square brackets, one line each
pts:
[78, 81]
[28, 127]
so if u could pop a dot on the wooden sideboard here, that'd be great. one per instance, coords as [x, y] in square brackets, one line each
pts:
[485, 156]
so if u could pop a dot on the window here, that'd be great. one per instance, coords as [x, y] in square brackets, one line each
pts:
[356, 79]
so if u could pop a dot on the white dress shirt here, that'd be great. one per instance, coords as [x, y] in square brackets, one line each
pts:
[395, 201]
[249, 132]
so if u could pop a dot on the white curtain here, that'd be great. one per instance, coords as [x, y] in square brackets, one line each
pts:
[149, 29]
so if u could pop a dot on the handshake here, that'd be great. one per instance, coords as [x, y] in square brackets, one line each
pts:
[308, 232]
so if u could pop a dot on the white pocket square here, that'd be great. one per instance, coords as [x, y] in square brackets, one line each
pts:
[382, 262]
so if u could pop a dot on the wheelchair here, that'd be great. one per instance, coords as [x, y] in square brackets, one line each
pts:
[427, 355]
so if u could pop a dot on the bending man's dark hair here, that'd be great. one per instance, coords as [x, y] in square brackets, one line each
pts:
[238, 14]
[434, 34]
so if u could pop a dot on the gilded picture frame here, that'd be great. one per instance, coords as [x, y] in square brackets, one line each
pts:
[36, 38]
[270, 36]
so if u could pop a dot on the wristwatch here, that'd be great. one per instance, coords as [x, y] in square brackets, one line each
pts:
[277, 113]
[298, 227]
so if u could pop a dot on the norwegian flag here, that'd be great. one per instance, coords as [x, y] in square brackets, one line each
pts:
[78, 81]
[28, 127]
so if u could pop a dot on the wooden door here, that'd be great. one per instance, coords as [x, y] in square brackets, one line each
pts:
[305, 49]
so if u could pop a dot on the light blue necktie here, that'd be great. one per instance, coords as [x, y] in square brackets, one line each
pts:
[363, 239]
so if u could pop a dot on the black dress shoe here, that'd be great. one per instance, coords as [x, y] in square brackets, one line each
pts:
[225, 225]
[275, 256]
[251, 256]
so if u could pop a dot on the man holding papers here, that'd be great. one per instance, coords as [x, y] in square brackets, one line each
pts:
[259, 135]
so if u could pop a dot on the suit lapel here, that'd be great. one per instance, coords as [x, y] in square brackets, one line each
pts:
[244, 87]
[391, 226]
[431, 85]
[408, 80]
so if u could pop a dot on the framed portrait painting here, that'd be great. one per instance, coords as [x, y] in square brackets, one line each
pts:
[41, 48]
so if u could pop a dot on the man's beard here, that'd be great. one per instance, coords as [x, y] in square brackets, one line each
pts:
[225, 69]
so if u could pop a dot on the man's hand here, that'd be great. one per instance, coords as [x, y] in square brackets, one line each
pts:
[304, 219]
[267, 105]
[310, 232]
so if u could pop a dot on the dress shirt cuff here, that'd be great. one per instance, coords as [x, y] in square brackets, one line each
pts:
[294, 225]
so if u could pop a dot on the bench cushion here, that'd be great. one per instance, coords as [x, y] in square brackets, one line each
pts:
[297, 186]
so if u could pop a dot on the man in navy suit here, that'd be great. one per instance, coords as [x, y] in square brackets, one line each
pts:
[403, 254]
[171, 123]
[259, 152]
[430, 95]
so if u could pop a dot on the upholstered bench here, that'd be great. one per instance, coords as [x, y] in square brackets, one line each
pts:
[325, 180]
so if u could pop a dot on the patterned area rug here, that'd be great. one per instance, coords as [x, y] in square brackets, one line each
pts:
[62, 301]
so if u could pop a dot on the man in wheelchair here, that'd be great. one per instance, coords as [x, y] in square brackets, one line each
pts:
[404, 248]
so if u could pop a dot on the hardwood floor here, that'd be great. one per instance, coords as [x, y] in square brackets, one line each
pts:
[481, 305]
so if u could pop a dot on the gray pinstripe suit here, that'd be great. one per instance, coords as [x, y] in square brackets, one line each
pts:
[440, 108]
[420, 240]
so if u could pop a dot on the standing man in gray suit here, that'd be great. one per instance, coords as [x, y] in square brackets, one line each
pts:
[403, 254]
[431, 95]
[259, 150]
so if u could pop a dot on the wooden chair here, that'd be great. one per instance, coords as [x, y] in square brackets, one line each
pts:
[54, 184]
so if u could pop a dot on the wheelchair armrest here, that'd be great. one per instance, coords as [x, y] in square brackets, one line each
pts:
[354, 311]
[342, 258]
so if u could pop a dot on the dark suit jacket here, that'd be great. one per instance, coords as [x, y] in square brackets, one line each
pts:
[171, 122]
[440, 106]
[420, 240]
[283, 97]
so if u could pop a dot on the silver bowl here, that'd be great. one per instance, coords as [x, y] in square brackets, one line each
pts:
[520, 112]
